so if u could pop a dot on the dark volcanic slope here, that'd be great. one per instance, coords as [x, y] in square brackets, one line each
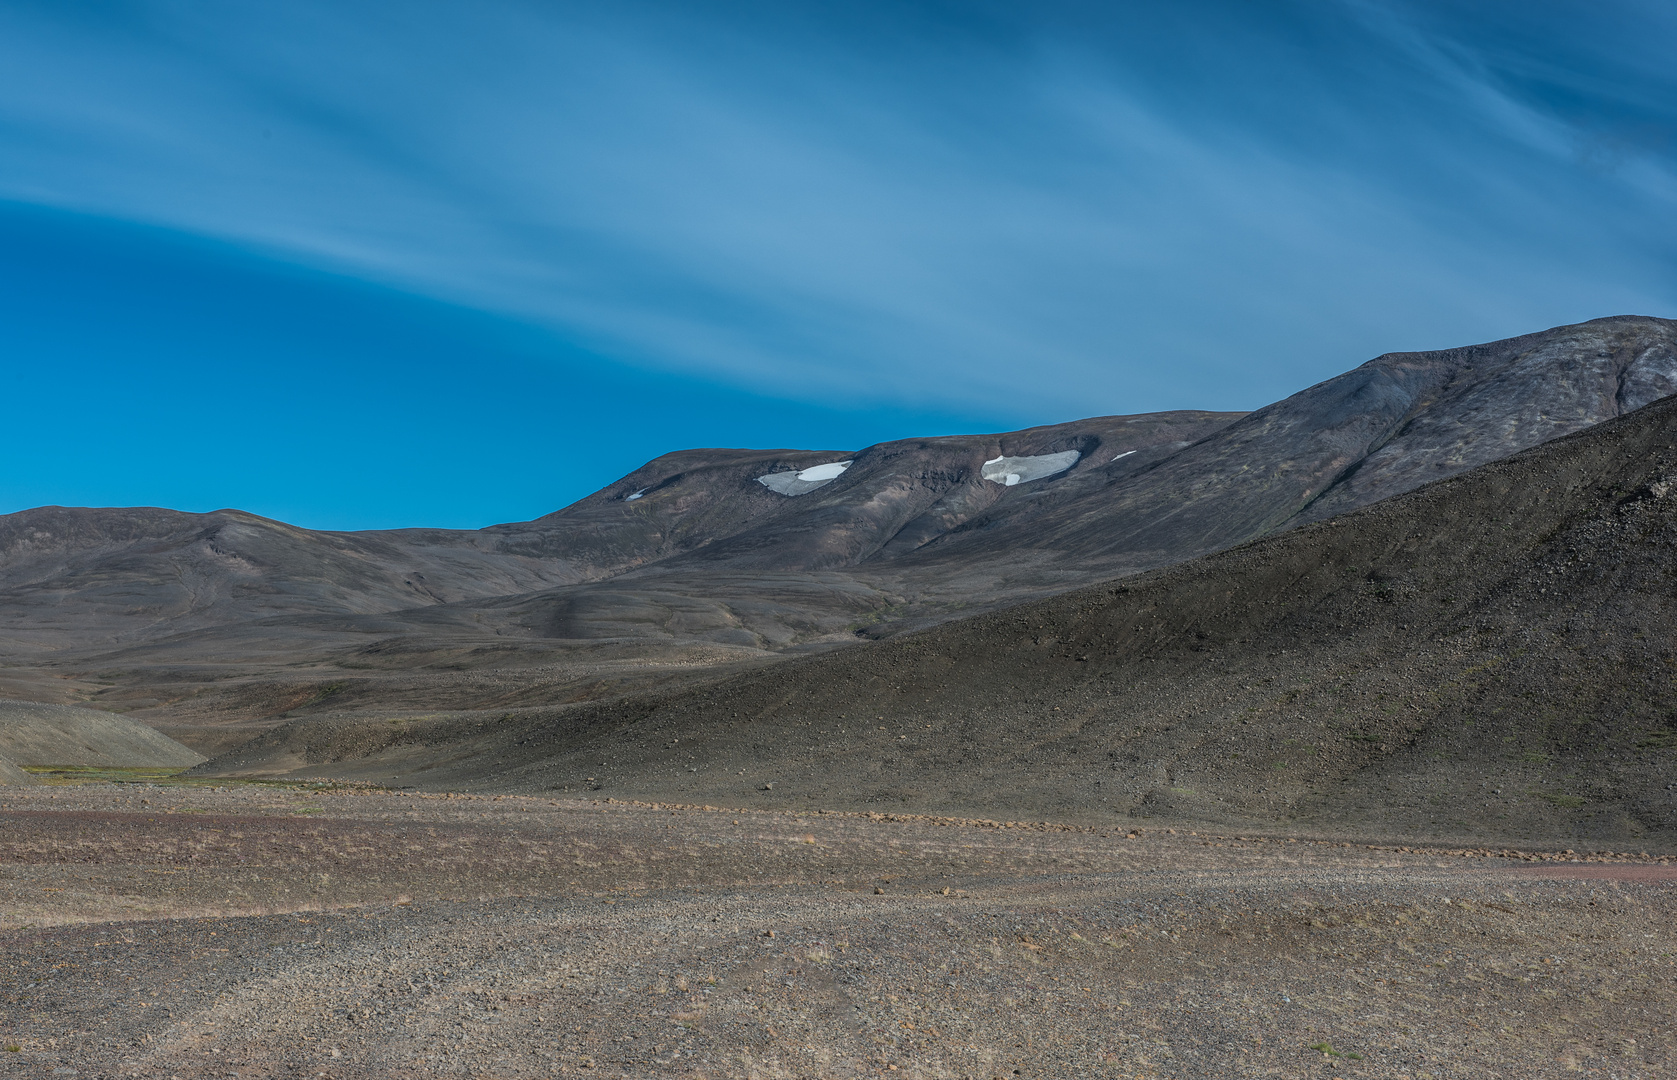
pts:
[916, 514]
[895, 497]
[226, 619]
[1150, 489]
[915, 523]
[1491, 655]
[1387, 427]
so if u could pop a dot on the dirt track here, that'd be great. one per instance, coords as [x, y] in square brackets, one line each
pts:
[176, 931]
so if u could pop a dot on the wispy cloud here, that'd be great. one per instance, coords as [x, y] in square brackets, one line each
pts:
[1089, 209]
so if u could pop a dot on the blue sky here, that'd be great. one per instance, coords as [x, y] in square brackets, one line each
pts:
[359, 264]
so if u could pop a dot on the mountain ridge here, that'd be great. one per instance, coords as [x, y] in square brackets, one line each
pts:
[1488, 655]
[217, 626]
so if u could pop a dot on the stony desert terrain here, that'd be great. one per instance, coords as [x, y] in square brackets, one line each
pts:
[183, 930]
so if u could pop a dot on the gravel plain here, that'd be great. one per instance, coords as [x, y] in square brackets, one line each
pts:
[263, 931]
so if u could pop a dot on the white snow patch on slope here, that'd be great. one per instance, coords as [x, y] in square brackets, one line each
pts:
[804, 480]
[1009, 471]
[636, 495]
[1125, 454]
[830, 471]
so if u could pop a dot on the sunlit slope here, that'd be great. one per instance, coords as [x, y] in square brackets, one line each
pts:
[1140, 491]
[36, 734]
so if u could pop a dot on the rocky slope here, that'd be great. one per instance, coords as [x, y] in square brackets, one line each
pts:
[77, 578]
[1389, 426]
[694, 564]
[1490, 654]
[929, 537]
[1142, 490]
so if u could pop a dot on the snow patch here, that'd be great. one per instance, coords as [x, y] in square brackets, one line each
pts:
[1125, 454]
[1009, 471]
[804, 481]
[830, 471]
[636, 495]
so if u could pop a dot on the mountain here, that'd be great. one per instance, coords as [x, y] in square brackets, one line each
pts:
[705, 561]
[73, 579]
[920, 528]
[1487, 656]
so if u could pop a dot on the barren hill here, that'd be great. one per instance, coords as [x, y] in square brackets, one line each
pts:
[32, 733]
[1490, 655]
[217, 626]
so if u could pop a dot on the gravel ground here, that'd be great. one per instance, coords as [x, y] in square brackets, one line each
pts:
[251, 931]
